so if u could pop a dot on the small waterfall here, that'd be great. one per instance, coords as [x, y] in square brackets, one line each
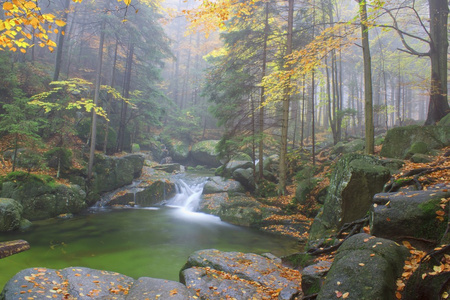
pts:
[188, 194]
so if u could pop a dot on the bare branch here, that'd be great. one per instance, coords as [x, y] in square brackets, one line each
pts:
[402, 35]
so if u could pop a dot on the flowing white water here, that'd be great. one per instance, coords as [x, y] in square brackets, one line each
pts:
[188, 195]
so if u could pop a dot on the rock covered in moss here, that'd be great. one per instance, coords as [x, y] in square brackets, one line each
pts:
[354, 182]
[205, 153]
[348, 147]
[217, 184]
[10, 214]
[402, 142]
[41, 199]
[409, 214]
[111, 173]
[364, 268]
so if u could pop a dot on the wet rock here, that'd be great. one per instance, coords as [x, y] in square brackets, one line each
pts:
[401, 142]
[245, 177]
[218, 184]
[146, 193]
[205, 153]
[153, 288]
[354, 182]
[111, 173]
[212, 203]
[84, 283]
[348, 147]
[242, 211]
[168, 168]
[409, 214]
[365, 267]
[41, 200]
[313, 277]
[10, 214]
[233, 165]
[207, 269]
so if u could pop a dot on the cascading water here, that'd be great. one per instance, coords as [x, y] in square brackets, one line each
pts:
[188, 194]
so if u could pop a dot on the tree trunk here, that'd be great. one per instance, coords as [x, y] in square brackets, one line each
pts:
[98, 77]
[261, 109]
[126, 94]
[286, 101]
[368, 109]
[59, 50]
[438, 106]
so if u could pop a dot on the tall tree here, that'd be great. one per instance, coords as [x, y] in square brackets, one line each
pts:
[368, 104]
[438, 46]
[282, 176]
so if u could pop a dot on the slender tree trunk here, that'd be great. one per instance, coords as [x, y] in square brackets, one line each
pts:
[126, 94]
[261, 109]
[113, 78]
[368, 106]
[98, 77]
[286, 101]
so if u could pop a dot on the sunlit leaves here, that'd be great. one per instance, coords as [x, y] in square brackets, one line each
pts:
[23, 20]
[68, 95]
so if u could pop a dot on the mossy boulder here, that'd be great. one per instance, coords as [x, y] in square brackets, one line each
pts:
[245, 177]
[217, 184]
[353, 146]
[413, 214]
[445, 121]
[179, 151]
[354, 181]
[402, 142]
[41, 199]
[242, 211]
[111, 173]
[233, 165]
[366, 268]
[145, 194]
[205, 153]
[10, 214]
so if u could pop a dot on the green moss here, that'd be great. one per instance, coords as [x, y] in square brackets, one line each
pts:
[298, 259]
[315, 288]
[434, 229]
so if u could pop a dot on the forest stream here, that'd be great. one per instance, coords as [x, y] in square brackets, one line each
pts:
[153, 242]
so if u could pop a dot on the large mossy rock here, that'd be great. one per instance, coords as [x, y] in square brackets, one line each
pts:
[179, 151]
[205, 153]
[233, 165]
[246, 178]
[10, 214]
[409, 214]
[42, 200]
[111, 173]
[354, 182]
[215, 275]
[242, 211]
[366, 268]
[348, 147]
[145, 194]
[403, 142]
[217, 184]
[84, 283]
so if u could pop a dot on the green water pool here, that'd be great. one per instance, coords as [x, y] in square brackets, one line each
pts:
[134, 242]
